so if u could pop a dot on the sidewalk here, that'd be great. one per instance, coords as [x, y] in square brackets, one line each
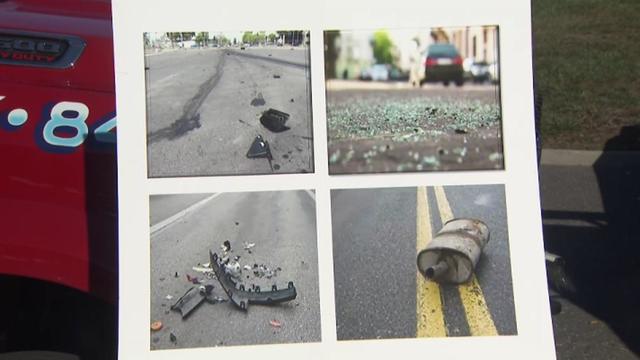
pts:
[591, 205]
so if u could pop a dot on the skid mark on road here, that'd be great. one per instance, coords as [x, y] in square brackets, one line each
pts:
[429, 314]
[270, 59]
[190, 118]
[473, 301]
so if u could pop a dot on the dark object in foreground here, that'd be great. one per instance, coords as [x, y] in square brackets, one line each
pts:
[260, 149]
[274, 120]
[454, 252]
[192, 299]
[241, 297]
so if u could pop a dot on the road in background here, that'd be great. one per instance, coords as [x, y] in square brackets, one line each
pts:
[591, 206]
[379, 293]
[204, 107]
[282, 226]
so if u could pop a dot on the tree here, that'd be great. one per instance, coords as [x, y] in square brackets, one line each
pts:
[272, 37]
[147, 41]
[291, 37]
[330, 53]
[180, 36]
[383, 48]
[261, 37]
[248, 37]
[173, 37]
[202, 38]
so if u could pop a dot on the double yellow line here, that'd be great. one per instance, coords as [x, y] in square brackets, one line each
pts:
[429, 309]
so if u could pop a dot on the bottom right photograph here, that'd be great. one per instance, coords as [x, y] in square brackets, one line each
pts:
[428, 261]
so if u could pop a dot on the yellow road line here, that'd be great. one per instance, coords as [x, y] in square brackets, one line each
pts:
[430, 318]
[475, 306]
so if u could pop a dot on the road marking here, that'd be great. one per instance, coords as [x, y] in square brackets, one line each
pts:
[475, 305]
[429, 314]
[162, 225]
[311, 194]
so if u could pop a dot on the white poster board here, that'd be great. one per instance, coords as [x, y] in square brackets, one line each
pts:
[318, 148]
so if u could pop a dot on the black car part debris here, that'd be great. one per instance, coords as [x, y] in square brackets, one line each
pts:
[193, 298]
[241, 297]
[260, 149]
[274, 120]
[188, 302]
[453, 254]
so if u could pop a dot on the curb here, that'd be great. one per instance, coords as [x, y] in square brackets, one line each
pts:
[562, 157]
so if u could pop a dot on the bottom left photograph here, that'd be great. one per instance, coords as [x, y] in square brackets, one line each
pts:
[236, 268]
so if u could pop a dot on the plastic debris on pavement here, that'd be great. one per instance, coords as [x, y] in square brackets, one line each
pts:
[234, 269]
[231, 269]
[275, 323]
[156, 325]
[274, 120]
[226, 246]
[193, 279]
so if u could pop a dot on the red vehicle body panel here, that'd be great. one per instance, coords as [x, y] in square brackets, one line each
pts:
[58, 203]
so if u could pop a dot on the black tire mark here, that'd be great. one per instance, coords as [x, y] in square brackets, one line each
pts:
[270, 59]
[190, 118]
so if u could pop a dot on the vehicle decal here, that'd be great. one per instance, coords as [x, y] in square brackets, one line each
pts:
[62, 126]
[39, 49]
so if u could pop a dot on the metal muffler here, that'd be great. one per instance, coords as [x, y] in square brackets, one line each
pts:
[453, 253]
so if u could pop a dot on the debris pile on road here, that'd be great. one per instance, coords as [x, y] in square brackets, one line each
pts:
[453, 254]
[228, 272]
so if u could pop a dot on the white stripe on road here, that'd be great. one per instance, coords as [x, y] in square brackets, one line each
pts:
[155, 229]
[311, 194]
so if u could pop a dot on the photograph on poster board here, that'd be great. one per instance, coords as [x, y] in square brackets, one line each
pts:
[233, 269]
[228, 103]
[411, 100]
[422, 262]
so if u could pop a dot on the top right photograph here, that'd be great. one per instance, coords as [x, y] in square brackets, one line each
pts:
[413, 100]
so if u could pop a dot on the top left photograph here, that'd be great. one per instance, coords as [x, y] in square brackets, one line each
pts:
[228, 103]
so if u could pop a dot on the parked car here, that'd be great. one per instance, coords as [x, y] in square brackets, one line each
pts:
[58, 249]
[480, 72]
[379, 72]
[443, 64]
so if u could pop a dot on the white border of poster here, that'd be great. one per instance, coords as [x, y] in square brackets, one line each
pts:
[534, 339]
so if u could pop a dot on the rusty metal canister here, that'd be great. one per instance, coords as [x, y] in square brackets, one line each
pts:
[453, 254]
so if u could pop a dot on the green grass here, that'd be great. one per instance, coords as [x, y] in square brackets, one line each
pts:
[587, 64]
[408, 120]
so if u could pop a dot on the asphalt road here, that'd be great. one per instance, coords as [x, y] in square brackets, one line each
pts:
[380, 294]
[282, 226]
[163, 207]
[591, 206]
[204, 106]
[399, 129]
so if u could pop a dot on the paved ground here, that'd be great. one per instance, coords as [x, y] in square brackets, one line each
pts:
[591, 207]
[380, 294]
[204, 106]
[390, 127]
[282, 226]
